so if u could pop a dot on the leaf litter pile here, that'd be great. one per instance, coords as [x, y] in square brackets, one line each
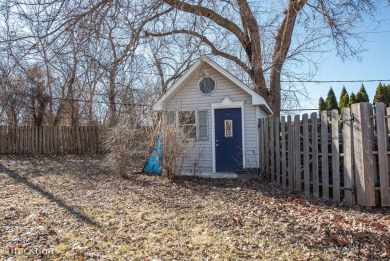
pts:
[70, 207]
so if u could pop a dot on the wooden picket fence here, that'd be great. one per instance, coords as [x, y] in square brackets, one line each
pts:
[343, 158]
[50, 140]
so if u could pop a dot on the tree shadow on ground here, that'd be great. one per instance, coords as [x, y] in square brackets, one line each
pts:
[85, 166]
[18, 178]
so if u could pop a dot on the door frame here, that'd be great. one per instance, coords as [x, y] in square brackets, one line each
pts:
[227, 103]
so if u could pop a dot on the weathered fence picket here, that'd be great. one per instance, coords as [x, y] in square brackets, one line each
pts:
[382, 140]
[325, 155]
[343, 158]
[349, 179]
[290, 153]
[267, 150]
[297, 152]
[335, 156]
[314, 145]
[306, 155]
[364, 179]
[272, 149]
[277, 149]
[284, 154]
[50, 140]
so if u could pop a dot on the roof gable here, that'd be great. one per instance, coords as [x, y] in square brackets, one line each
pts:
[256, 98]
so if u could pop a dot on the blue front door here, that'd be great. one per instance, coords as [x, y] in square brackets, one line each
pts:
[228, 140]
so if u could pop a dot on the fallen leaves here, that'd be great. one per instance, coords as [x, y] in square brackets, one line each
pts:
[56, 206]
[52, 232]
[40, 221]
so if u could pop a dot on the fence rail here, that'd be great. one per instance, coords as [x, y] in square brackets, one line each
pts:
[55, 140]
[335, 157]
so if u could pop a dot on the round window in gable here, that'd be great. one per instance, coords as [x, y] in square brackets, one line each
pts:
[207, 85]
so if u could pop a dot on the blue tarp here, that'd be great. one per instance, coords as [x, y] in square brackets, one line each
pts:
[154, 163]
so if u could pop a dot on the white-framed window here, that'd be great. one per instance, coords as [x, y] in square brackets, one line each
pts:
[187, 121]
[207, 85]
[194, 123]
[202, 125]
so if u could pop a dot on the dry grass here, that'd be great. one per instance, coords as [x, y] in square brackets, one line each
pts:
[70, 208]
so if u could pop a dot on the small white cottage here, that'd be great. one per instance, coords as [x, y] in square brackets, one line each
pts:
[224, 114]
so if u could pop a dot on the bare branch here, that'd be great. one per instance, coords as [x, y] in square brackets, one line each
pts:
[210, 14]
[205, 40]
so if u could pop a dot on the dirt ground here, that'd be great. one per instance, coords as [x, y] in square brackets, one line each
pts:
[68, 207]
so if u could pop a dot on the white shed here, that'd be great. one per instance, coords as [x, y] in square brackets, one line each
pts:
[224, 113]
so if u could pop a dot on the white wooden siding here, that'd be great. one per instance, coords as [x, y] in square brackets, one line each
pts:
[187, 97]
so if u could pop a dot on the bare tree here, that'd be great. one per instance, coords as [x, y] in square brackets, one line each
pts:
[168, 63]
[9, 98]
[264, 40]
[237, 21]
[38, 94]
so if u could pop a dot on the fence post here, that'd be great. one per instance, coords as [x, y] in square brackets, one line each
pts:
[261, 144]
[73, 136]
[277, 149]
[297, 153]
[290, 153]
[283, 141]
[44, 137]
[364, 165]
[382, 153]
[314, 147]
[27, 139]
[266, 148]
[84, 141]
[271, 148]
[65, 140]
[335, 156]
[349, 178]
[325, 155]
[98, 148]
[18, 140]
[306, 154]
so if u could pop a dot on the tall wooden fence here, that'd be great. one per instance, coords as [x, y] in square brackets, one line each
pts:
[48, 140]
[335, 157]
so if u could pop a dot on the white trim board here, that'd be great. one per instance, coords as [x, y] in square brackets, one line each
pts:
[227, 104]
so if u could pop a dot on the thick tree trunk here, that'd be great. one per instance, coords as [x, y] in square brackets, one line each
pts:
[282, 45]
[12, 116]
[49, 87]
[67, 113]
[71, 114]
[274, 99]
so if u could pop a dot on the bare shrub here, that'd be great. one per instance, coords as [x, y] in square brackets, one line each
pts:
[129, 144]
[175, 148]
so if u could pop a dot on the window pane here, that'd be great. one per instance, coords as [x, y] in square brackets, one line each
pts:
[170, 117]
[228, 128]
[202, 117]
[207, 85]
[189, 131]
[187, 117]
[202, 131]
